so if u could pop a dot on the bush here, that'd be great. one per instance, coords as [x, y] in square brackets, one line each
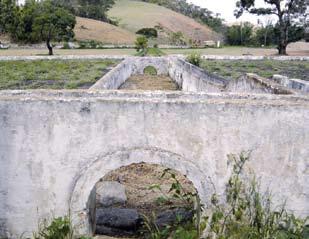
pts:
[248, 213]
[148, 32]
[141, 45]
[194, 58]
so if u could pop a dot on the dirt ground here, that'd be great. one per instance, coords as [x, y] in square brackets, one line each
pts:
[138, 179]
[149, 82]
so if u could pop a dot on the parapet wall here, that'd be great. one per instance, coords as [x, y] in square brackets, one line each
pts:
[296, 84]
[252, 83]
[55, 145]
[194, 79]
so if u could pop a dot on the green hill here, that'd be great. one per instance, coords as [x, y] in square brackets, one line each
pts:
[134, 15]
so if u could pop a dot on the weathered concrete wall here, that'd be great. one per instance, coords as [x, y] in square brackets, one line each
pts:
[194, 79]
[54, 146]
[252, 83]
[296, 84]
[116, 77]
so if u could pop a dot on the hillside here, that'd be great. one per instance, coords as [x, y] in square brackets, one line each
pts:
[89, 29]
[134, 15]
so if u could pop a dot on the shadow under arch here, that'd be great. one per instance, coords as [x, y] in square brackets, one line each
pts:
[103, 164]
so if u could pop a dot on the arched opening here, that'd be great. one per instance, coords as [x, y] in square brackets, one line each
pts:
[126, 200]
[150, 70]
[103, 164]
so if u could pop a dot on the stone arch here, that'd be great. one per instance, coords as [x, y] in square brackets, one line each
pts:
[150, 70]
[106, 163]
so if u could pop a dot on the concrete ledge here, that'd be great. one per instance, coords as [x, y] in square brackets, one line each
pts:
[153, 96]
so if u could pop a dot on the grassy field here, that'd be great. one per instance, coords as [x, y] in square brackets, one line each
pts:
[53, 74]
[265, 68]
[134, 15]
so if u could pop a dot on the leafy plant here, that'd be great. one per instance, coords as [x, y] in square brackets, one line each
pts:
[249, 214]
[59, 228]
[189, 230]
[154, 232]
[194, 58]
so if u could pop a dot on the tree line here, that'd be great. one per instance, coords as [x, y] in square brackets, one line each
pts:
[246, 34]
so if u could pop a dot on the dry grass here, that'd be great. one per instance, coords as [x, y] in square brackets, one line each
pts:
[149, 82]
[134, 15]
[88, 29]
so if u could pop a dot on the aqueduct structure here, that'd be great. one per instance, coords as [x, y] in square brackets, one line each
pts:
[55, 145]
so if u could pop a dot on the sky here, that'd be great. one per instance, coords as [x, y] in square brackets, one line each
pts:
[226, 9]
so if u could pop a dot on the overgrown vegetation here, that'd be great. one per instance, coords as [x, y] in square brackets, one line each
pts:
[248, 213]
[181, 229]
[245, 213]
[265, 68]
[70, 74]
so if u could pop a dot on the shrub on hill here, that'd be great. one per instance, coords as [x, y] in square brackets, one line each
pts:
[148, 32]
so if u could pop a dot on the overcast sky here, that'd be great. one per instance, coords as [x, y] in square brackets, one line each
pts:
[226, 9]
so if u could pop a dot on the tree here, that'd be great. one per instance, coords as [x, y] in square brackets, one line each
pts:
[95, 9]
[53, 23]
[288, 12]
[240, 34]
[177, 38]
[8, 15]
